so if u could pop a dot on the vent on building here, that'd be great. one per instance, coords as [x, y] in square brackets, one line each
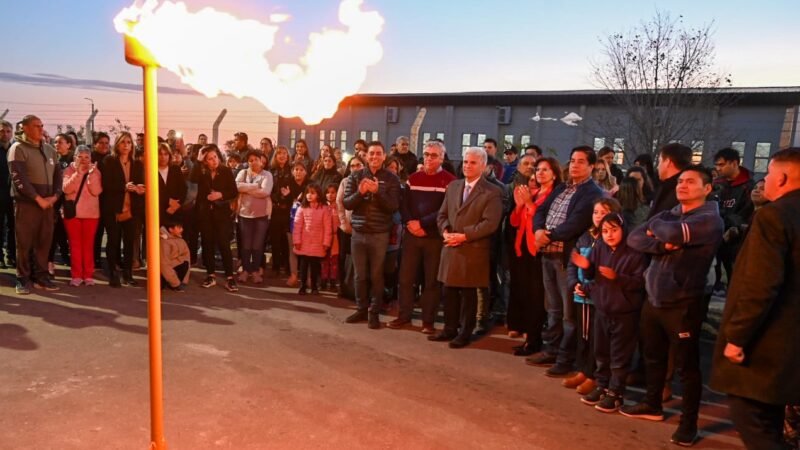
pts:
[391, 114]
[504, 115]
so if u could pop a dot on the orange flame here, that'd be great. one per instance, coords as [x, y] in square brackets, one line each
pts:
[214, 52]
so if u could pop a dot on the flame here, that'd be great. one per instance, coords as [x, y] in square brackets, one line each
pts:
[214, 53]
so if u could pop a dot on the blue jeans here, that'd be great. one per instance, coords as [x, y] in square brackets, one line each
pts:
[253, 235]
[560, 334]
[368, 253]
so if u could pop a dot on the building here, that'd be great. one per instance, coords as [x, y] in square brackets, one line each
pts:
[757, 123]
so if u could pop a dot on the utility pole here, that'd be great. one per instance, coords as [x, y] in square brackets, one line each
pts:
[3, 116]
[215, 127]
[90, 124]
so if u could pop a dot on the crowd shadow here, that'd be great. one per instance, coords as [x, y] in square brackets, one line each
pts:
[15, 337]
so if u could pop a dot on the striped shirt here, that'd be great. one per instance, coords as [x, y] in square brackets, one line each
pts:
[557, 214]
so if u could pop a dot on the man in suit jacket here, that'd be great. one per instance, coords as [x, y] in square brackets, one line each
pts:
[470, 214]
[755, 360]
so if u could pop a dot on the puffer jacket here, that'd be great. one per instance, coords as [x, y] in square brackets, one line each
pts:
[372, 213]
[678, 277]
[313, 231]
[174, 252]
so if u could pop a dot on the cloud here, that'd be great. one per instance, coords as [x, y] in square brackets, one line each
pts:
[50, 80]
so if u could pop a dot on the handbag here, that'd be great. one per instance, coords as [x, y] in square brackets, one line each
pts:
[71, 206]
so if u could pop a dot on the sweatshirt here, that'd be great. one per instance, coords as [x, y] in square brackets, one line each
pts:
[623, 295]
[254, 194]
[34, 170]
[174, 252]
[88, 206]
[677, 277]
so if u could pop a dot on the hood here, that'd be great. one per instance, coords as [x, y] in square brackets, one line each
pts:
[744, 177]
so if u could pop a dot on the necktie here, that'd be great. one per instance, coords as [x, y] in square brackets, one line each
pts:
[466, 193]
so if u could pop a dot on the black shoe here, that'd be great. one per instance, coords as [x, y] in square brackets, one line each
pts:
[642, 411]
[374, 322]
[484, 327]
[541, 359]
[685, 435]
[524, 350]
[315, 292]
[558, 371]
[45, 284]
[442, 336]
[129, 281]
[594, 397]
[610, 403]
[356, 317]
[210, 281]
[113, 281]
[230, 285]
[459, 342]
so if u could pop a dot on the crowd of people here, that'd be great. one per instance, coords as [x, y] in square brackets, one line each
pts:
[601, 273]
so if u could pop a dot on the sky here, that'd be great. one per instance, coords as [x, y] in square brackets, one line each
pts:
[62, 52]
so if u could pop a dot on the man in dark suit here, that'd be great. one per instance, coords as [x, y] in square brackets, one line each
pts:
[470, 214]
[755, 360]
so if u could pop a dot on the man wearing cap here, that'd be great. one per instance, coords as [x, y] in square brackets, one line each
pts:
[510, 167]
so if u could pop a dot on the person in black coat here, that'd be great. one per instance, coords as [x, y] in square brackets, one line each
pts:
[216, 189]
[755, 360]
[121, 206]
[171, 186]
[674, 159]
[281, 169]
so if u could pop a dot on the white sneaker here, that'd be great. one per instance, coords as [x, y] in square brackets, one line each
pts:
[89, 282]
[51, 267]
[75, 282]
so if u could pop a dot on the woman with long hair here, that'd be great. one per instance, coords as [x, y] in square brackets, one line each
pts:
[301, 154]
[634, 206]
[281, 169]
[216, 189]
[65, 149]
[171, 185]
[602, 176]
[645, 161]
[255, 208]
[526, 313]
[327, 173]
[645, 183]
[122, 206]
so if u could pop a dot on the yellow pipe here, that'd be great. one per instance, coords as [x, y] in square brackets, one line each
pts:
[157, 441]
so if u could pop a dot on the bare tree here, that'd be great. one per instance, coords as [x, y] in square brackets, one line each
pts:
[663, 76]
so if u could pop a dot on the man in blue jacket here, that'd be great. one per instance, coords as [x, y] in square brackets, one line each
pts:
[682, 242]
[559, 222]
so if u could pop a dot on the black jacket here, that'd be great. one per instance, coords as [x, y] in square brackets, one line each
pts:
[174, 188]
[324, 177]
[579, 215]
[735, 204]
[223, 182]
[665, 197]
[762, 310]
[623, 295]
[372, 213]
[113, 196]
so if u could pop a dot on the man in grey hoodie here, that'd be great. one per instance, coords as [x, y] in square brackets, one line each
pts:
[36, 185]
[682, 242]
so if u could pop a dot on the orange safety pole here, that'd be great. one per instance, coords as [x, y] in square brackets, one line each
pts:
[137, 55]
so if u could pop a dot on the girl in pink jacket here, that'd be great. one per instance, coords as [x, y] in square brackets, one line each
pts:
[312, 236]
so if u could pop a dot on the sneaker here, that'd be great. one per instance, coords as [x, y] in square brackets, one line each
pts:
[685, 435]
[428, 328]
[45, 284]
[541, 359]
[23, 288]
[594, 397]
[89, 282]
[243, 277]
[610, 403]
[210, 281]
[51, 268]
[180, 288]
[586, 387]
[358, 316]
[301, 291]
[75, 282]
[642, 411]
[315, 291]
[231, 286]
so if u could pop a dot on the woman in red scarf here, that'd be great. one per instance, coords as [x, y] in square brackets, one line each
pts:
[526, 313]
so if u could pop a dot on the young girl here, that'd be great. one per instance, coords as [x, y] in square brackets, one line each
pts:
[584, 382]
[330, 265]
[615, 282]
[312, 236]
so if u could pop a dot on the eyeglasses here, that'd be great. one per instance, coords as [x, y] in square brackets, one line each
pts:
[430, 155]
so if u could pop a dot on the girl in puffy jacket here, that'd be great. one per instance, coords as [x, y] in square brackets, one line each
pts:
[615, 283]
[312, 235]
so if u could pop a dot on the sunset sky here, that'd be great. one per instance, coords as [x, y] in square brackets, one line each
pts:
[58, 53]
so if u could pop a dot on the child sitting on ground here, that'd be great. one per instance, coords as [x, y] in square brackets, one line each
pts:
[174, 257]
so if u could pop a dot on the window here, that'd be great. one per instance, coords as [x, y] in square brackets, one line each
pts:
[739, 147]
[333, 138]
[762, 157]
[481, 138]
[525, 140]
[508, 140]
[426, 137]
[292, 137]
[599, 143]
[343, 140]
[375, 136]
[440, 136]
[466, 141]
[322, 135]
[619, 151]
[302, 134]
[363, 135]
[697, 152]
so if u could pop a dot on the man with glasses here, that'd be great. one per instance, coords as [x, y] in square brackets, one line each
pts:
[422, 243]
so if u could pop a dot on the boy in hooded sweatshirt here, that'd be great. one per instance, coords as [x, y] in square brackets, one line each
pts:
[615, 283]
[174, 257]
